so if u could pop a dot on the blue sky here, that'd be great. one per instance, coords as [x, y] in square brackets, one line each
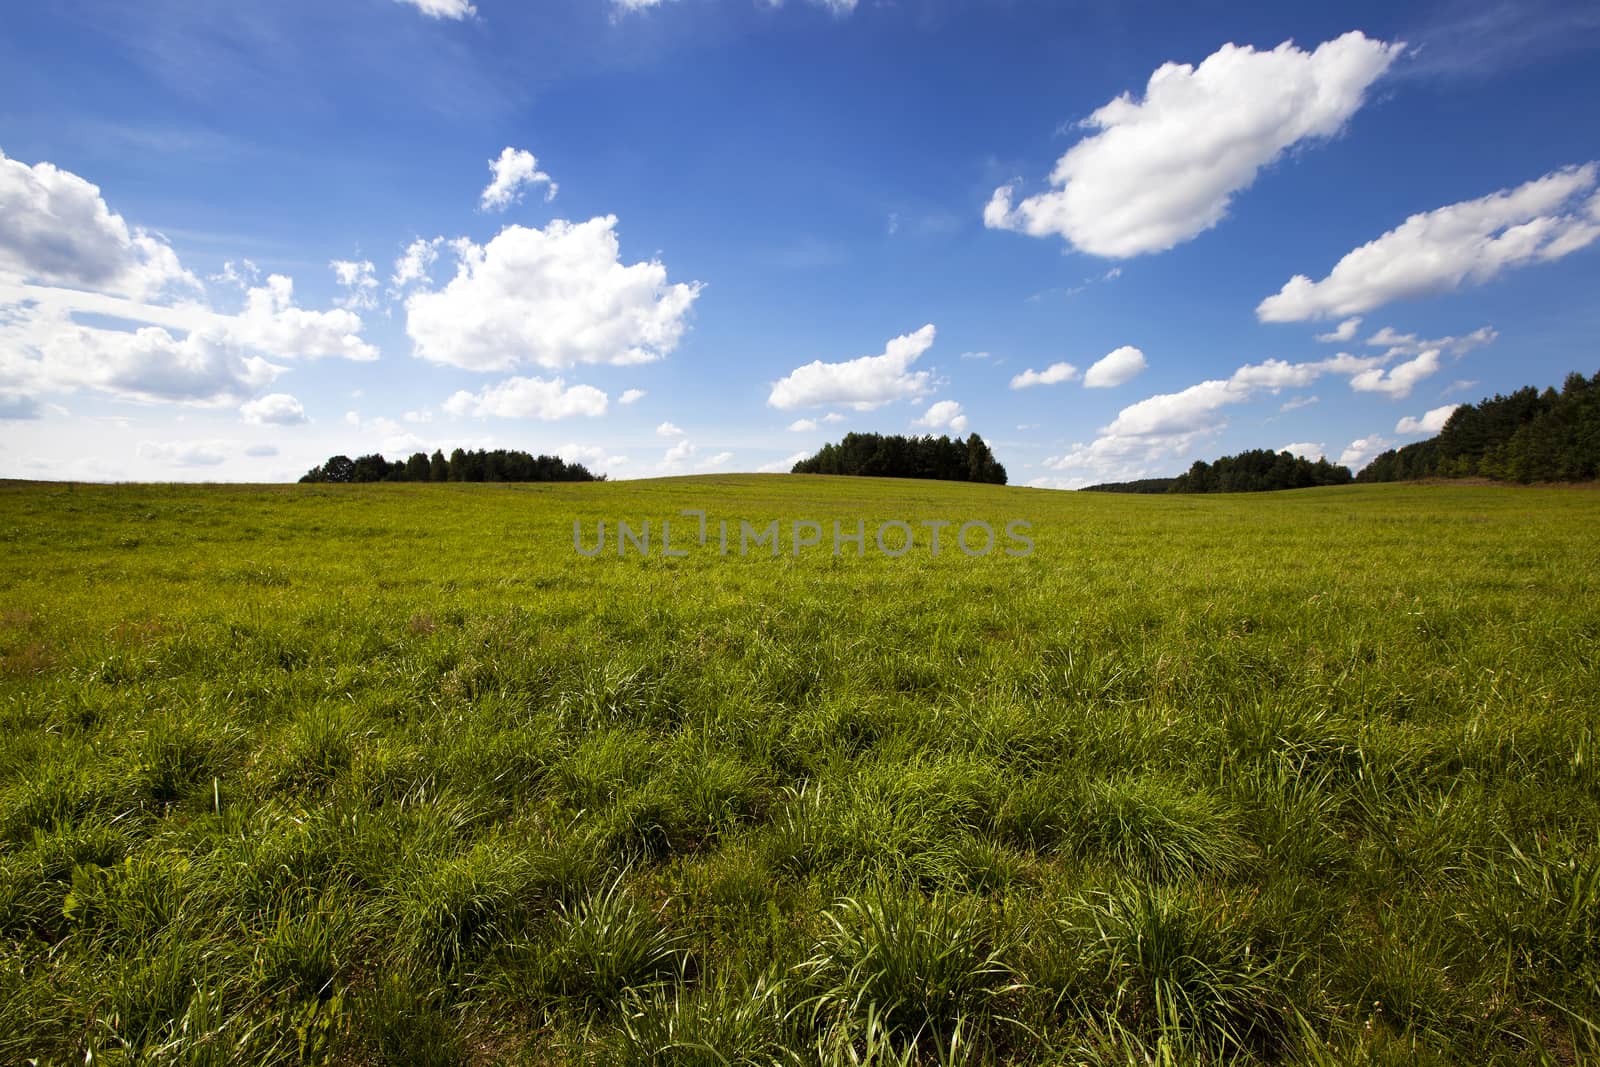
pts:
[712, 234]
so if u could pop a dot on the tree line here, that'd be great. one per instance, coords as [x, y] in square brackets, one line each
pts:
[1529, 436]
[1141, 485]
[1259, 470]
[896, 456]
[501, 465]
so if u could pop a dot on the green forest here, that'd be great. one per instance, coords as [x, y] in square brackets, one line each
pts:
[895, 456]
[1529, 436]
[1258, 470]
[500, 465]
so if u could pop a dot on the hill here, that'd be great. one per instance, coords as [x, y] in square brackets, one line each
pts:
[355, 773]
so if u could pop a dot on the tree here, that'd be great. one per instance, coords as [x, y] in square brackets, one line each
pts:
[339, 469]
[500, 465]
[1258, 471]
[370, 468]
[896, 456]
[1527, 436]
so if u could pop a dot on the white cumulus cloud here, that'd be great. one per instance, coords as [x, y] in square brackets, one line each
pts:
[273, 323]
[1431, 422]
[1399, 380]
[721, 459]
[676, 456]
[1345, 331]
[515, 171]
[65, 256]
[43, 350]
[943, 415]
[554, 297]
[57, 230]
[360, 281]
[782, 466]
[1363, 450]
[1312, 450]
[667, 429]
[629, 396]
[596, 457]
[1116, 367]
[802, 425]
[411, 266]
[865, 383]
[443, 9]
[1054, 374]
[1441, 250]
[1162, 169]
[276, 409]
[529, 398]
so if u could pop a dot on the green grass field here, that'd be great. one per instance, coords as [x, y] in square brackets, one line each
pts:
[391, 774]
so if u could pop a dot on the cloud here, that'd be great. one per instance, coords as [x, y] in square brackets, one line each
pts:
[1363, 450]
[529, 398]
[1441, 250]
[1163, 169]
[1054, 374]
[1431, 422]
[1397, 381]
[64, 254]
[554, 297]
[1116, 367]
[241, 275]
[185, 453]
[413, 264]
[782, 466]
[630, 395]
[865, 383]
[838, 8]
[721, 459]
[802, 425]
[43, 350]
[261, 451]
[514, 172]
[667, 429]
[1113, 457]
[1409, 344]
[277, 409]
[1169, 426]
[56, 229]
[676, 456]
[360, 280]
[443, 9]
[943, 415]
[1345, 331]
[1297, 403]
[272, 323]
[976, 355]
[1306, 450]
[595, 457]
[1176, 413]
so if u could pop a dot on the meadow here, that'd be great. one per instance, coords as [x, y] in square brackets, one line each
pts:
[391, 774]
